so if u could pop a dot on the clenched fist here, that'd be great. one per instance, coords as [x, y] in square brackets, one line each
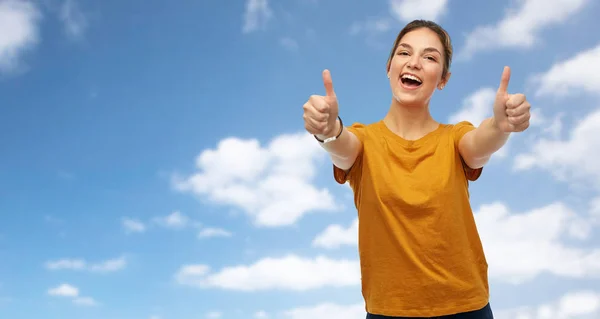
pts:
[511, 111]
[321, 112]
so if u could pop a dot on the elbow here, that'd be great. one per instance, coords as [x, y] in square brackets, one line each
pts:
[476, 162]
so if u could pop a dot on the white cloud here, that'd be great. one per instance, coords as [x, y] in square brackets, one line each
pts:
[72, 292]
[573, 305]
[73, 264]
[74, 21]
[520, 246]
[261, 315]
[407, 10]
[64, 290]
[80, 264]
[271, 184]
[476, 107]
[175, 220]
[335, 236]
[213, 232]
[329, 311]
[133, 225]
[18, 31]
[257, 14]
[286, 273]
[521, 25]
[572, 159]
[576, 75]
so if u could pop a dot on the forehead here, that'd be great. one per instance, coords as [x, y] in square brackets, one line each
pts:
[422, 38]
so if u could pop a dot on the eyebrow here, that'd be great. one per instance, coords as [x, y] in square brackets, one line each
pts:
[430, 49]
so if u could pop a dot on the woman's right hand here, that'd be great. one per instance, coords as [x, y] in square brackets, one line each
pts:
[321, 112]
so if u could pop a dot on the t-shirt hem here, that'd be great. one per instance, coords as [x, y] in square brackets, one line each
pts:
[432, 312]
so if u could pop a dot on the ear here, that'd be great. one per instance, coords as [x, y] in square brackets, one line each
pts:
[444, 81]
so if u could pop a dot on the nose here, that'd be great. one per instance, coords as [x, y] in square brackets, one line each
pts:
[414, 62]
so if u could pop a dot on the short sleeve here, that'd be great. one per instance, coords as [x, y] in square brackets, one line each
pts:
[460, 129]
[352, 175]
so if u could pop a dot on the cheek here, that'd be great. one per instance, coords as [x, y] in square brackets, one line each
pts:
[434, 76]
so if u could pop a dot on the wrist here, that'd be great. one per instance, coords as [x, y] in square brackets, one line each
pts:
[336, 132]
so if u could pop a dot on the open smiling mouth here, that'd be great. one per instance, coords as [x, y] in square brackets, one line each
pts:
[410, 80]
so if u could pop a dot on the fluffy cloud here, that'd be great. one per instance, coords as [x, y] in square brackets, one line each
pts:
[520, 26]
[574, 158]
[72, 292]
[271, 184]
[18, 31]
[80, 264]
[257, 14]
[286, 273]
[175, 220]
[476, 107]
[576, 75]
[335, 236]
[213, 232]
[64, 290]
[407, 10]
[133, 225]
[573, 305]
[520, 246]
[329, 311]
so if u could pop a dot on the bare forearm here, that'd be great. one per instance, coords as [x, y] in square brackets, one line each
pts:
[344, 149]
[488, 138]
[482, 142]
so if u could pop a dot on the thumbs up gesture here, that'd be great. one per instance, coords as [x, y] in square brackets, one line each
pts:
[321, 112]
[511, 111]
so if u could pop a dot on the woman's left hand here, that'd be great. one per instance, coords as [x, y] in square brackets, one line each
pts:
[511, 111]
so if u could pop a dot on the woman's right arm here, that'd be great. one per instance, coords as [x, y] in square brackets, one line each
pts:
[344, 150]
[321, 120]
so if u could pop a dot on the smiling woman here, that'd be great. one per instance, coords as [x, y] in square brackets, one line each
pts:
[420, 251]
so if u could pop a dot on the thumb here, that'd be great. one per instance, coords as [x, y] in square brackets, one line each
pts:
[502, 89]
[328, 83]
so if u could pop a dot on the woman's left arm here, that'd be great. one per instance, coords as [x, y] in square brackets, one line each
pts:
[511, 114]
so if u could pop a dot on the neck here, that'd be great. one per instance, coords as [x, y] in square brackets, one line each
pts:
[410, 121]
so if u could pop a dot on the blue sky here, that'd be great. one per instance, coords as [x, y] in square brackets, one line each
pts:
[154, 163]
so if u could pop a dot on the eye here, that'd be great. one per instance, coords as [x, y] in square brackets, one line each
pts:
[402, 53]
[430, 58]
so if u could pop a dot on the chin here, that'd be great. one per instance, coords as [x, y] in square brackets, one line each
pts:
[409, 99]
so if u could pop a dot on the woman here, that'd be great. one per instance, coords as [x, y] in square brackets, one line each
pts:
[420, 252]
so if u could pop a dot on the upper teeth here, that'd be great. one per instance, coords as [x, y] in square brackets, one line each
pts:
[412, 77]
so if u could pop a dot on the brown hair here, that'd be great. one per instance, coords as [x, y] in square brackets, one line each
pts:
[442, 34]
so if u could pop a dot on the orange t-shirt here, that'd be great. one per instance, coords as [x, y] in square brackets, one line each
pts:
[420, 252]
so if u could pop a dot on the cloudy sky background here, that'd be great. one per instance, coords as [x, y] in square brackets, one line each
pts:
[154, 163]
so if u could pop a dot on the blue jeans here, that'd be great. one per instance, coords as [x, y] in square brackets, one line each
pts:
[483, 313]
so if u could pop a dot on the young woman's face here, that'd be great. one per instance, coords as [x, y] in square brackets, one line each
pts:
[417, 66]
